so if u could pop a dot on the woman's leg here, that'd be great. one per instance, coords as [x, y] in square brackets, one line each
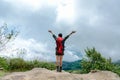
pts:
[61, 57]
[57, 62]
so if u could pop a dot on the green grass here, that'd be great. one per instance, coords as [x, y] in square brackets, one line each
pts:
[2, 73]
[19, 64]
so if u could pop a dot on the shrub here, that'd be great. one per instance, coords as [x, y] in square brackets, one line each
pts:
[3, 63]
[95, 61]
[19, 64]
[16, 64]
[116, 69]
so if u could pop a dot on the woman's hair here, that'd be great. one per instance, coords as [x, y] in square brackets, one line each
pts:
[60, 34]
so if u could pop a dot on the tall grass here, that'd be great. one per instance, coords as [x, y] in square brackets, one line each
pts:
[19, 64]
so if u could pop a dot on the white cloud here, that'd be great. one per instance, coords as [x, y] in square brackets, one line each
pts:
[97, 23]
[71, 56]
[33, 5]
[32, 47]
[66, 11]
[33, 50]
[65, 8]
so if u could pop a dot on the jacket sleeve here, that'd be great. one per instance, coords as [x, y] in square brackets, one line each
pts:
[54, 36]
[66, 37]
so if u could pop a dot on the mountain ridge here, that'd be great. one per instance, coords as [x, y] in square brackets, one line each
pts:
[75, 65]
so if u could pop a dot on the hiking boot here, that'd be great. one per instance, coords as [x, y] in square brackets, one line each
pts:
[60, 69]
[57, 68]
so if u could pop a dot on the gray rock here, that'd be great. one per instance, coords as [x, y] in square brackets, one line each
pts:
[44, 74]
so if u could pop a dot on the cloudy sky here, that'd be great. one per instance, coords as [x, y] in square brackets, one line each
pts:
[97, 23]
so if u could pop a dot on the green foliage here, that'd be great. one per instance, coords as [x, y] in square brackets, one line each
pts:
[95, 61]
[19, 64]
[16, 64]
[3, 63]
[6, 35]
[116, 69]
[36, 63]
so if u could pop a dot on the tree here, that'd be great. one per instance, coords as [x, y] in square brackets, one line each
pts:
[95, 61]
[6, 35]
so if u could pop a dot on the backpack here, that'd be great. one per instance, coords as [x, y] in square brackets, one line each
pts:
[59, 44]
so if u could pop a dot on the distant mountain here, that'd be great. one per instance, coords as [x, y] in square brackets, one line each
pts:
[71, 65]
[117, 62]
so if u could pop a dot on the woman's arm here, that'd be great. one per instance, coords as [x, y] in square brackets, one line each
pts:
[54, 36]
[50, 32]
[69, 35]
[72, 33]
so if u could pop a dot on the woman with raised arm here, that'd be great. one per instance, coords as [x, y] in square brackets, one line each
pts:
[60, 48]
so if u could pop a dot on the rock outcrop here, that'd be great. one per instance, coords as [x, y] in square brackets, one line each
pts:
[44, 74]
